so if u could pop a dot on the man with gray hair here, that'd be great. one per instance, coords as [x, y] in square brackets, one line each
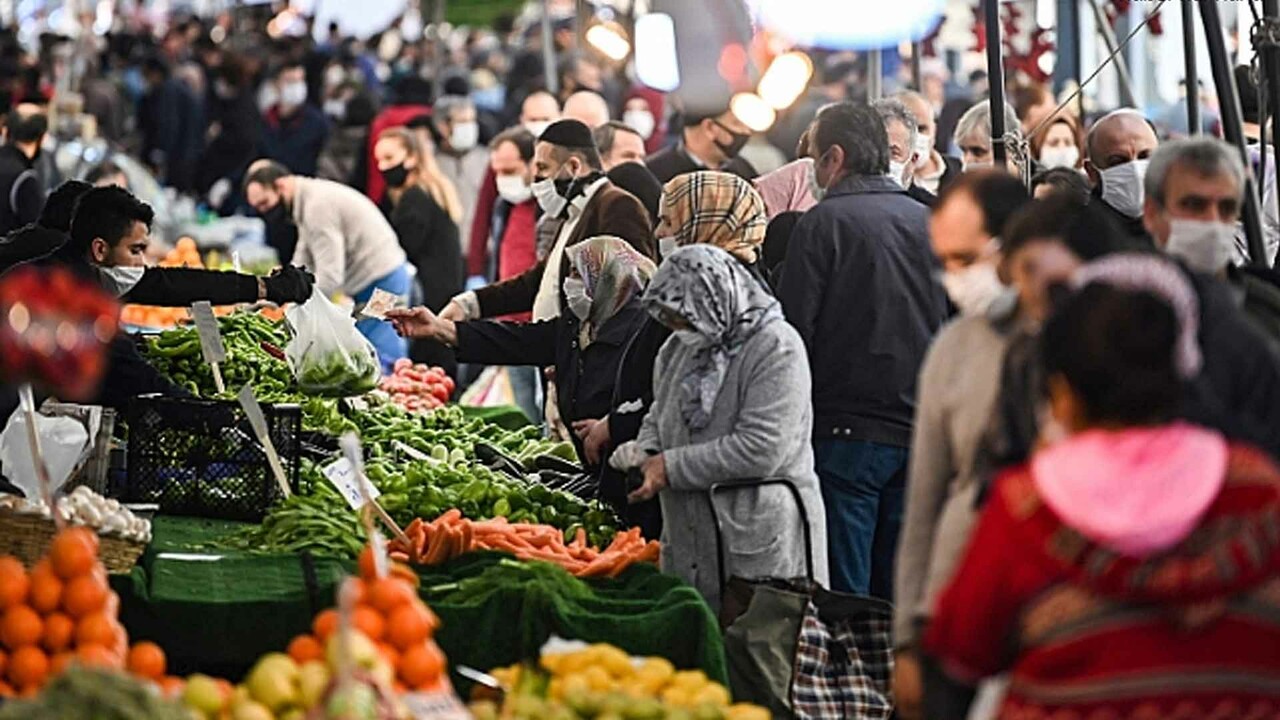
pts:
[901, 126]
[1118, 147]
[934, 171]
[459, 155]
[973, 136]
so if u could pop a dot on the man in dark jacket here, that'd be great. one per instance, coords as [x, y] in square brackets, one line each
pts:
[861, 288]
[171, 119]
[1119, 146]
[578, 203]
[293, 132]
[20, 193]
[707, 142]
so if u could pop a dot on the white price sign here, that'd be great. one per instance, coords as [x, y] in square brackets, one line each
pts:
[343, 476]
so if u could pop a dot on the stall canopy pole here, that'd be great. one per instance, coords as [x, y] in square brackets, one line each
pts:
[995, 80]
[549, 51]
[916, 80]
[1122, 67]
[1192, 75]
[1267, 40]
[1224, 82]
[875, 75]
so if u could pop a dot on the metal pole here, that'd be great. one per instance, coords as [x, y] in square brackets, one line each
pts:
[441, 49]
[916, 80]
[995, 80]
[1122, 67]
[1224, 82]
[1271, 76]
[875, 75]
[549, 52]
[1077, 33]
[1192, 75]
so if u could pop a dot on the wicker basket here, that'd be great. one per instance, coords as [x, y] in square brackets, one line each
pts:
[26, 536]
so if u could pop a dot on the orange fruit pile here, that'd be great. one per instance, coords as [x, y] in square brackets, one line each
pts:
[63, 612]
[390, 613]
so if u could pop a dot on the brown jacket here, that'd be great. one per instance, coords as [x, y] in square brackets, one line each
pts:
[611, 211]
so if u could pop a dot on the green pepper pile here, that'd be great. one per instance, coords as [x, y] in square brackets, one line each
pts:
[248, 338]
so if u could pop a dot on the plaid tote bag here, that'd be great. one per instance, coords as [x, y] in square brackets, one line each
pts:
[844, 659]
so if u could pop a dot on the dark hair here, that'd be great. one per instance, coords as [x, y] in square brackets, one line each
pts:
[857, 128]
[1063, 180]
[777, 236]
[108, 213]
[688, 120]
[26, 127]
[104, 169]
[608, 132]
[1248, 91]
[1084, 229]
[518, 136]
[60, 206]
[1115, 348]
[266, 173]
[1026, 97]
[998, 193]
[288, 63]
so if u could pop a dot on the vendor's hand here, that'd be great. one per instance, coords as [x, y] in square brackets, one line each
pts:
[289, 284]
[908, 687]
[453, 312]
[655, 480]
[594, 435]
[419, 322]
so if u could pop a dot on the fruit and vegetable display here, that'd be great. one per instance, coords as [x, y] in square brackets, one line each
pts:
[86, 507]
[417, 387]
[451, 535]
[82, 693]
[254, 357]
[62, 614]
[183, 255]
[603, 682]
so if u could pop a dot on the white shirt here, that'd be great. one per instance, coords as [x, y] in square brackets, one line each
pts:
[546, 305]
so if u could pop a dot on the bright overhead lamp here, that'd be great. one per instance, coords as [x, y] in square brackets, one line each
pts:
[787, 77]
[656, 63]
[753, 111]
[610, 39]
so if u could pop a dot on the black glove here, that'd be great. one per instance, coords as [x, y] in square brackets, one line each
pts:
[289, 284]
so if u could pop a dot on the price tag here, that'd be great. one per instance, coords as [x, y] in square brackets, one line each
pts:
[210, 340]
[350, 445]
[439, 705]
[411, 452]
[235, 260]
[258, 421]
[379, 303]
[342, 476]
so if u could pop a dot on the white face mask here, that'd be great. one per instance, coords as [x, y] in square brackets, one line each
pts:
[1122, 187]
[667, 245]
[537, 127]
[896, 172]
[336, 109]
[551, 202]
[924, 149]
[513, 189]
[975, 166]
[1206, 246]
[575, 294]
[293, 94]
[119, 279]
[1065, 156]
[641, 121]
[974, 288]
[464, 136]
[692, 339]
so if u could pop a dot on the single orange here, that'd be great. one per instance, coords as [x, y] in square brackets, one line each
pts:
[14, 582]
[172, 687]
[73, 552]
[46, 588]
[146, 659]
[28, 667]
[368, 570]
[84, 595]
[408, 625]
[369, 621]
[390, 654]
[58, 632]
[325, 624]
[20, 626]
[304, 648]
[421, 664]
[387, 594]
[96, 629]
[97, 656]
[60, 661]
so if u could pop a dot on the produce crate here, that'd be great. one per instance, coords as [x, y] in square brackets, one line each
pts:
[26, 536]
[201, 457]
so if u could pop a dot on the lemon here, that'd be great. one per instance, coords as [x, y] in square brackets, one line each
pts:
[744, 711]
[690, 679]
[712, 694]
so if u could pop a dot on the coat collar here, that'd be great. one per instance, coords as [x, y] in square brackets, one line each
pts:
[865, 184]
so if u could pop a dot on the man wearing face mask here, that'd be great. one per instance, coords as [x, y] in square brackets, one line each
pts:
[964, 231]
[860, 287]
[1119, 146]
[458, 151]
[933, 170]
[578, 202]
[20, 193]
[293, 132]
[707, 142]
[342, 237]
[900, 126]
[1194, 188]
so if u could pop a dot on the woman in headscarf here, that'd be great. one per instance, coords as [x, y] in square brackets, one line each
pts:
[602, 288]
[731, 403]
[645, 110]
[713, 208]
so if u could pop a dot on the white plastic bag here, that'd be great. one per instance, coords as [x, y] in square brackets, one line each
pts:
[328, 354]
[62, 442]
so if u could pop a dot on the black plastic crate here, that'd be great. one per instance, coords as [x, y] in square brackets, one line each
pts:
[201, 457]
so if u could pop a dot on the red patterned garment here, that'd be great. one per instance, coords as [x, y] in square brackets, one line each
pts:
[1086, 633]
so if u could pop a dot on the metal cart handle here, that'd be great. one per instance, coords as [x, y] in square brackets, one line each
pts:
[740, 484]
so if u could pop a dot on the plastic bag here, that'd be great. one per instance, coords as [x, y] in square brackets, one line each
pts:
[327, 354]
[63, 441]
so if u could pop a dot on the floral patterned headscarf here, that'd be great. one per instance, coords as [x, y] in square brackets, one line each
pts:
[714, 208]
[710, 290]
[612, 272]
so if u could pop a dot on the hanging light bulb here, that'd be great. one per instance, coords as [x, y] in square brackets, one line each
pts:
[610, 39]
[656, 63]
[753, 111]
[787, 77]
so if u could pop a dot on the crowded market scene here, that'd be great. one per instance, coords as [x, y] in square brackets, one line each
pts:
[639, 360]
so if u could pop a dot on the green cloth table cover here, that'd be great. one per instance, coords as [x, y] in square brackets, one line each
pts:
[219, 615]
